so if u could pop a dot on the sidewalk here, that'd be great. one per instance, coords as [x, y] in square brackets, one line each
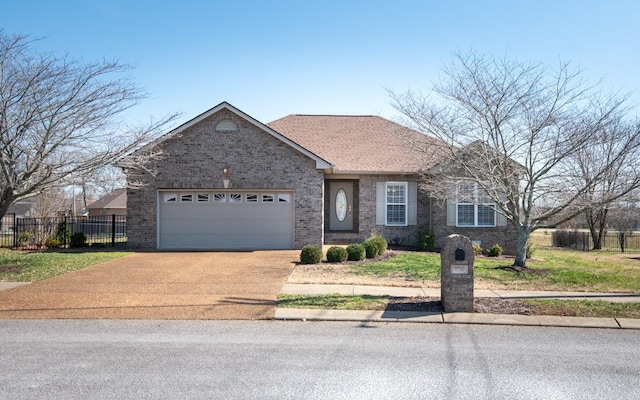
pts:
[455, 318]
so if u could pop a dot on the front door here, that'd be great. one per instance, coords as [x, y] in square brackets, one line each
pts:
[341, 210]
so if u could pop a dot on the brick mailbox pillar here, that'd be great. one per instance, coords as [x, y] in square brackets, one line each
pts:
[456, 276]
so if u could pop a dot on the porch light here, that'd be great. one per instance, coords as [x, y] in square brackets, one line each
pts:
[225, 174]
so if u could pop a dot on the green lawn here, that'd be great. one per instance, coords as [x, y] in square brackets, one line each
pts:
[553, 269]
[333, 302]
[29, 266]
[585, 308]
[570, 308]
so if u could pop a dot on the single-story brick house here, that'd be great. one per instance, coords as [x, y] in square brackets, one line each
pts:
[113, 203]
[228, 181]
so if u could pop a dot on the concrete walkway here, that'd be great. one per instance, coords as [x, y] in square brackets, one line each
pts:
[455, 318]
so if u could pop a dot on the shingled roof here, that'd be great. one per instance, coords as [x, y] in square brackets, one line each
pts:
[361, 143]
[115, 199]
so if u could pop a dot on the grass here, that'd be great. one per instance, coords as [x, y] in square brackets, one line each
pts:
[29, 266]
[553, 270]
[585, 308]
[570, 308]
[333, 302]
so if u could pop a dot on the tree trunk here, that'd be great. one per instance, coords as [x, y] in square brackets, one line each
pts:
[597, 226]
[521, 247]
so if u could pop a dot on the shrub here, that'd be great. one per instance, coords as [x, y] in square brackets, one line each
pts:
[370, 248]
[336, 254]
[311, 254]
[78, 240]
[477, 250]
[426, 241]
[356, 252]
[531, 248]
[25, 237]
[379, 242]
[63, 232]
[494, 251]
[52, 243]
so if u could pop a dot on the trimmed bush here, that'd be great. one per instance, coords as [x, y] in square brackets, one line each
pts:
[52, 243]
[426, 241]
[336, 254]
[78, 240]
[380, 242]
[370, 248]
[311, 254]
[356, 252]
[494, 251]
[477, 250]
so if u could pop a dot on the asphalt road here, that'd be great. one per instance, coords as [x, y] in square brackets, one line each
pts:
[111, 359]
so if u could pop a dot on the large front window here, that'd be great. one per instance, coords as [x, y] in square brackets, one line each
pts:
[473, 207]
[396, 203]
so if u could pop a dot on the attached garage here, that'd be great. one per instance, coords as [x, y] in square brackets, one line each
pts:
[225, 219]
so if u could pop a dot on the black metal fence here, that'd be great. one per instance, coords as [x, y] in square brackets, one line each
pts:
[98, 231]
[581, 240]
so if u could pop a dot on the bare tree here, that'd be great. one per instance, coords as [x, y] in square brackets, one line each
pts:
[59, 119]
[48, 203]
[624, 216]
[512, 129]
[614, 155]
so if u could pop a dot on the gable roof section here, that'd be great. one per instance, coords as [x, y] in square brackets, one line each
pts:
[320, 163]
[362, 144]
[115, 199]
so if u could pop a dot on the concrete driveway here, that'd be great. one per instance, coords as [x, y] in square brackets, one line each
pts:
[160, 285]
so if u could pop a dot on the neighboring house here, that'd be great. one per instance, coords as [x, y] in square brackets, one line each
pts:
[22, 209]
[228, 181]
[114, 203]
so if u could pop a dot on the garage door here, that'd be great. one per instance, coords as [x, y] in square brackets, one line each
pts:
[225, 219]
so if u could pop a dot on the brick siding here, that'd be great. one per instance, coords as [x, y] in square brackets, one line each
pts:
[195, 158]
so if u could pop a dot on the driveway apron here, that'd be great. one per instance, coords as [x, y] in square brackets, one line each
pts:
[160, 285]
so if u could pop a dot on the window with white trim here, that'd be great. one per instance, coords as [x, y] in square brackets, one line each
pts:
[396, 203]
[252, 198]
[268, 198]
[186, 198]
[219, 197]
[235, 198]
[473, 207]
[203, 197]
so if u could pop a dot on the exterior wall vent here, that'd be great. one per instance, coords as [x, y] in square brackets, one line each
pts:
[226, 125]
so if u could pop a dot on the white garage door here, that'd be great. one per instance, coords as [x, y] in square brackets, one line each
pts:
[225, 219]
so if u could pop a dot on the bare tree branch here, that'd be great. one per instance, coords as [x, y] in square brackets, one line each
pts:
[514, 129]
[59, 119]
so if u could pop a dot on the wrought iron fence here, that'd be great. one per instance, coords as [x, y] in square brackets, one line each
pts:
[7, 227]
[98, 231]
[581, 240]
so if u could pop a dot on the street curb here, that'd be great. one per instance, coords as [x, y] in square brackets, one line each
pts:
[299, 314]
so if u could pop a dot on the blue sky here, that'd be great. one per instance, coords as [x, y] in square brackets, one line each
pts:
[272, 58]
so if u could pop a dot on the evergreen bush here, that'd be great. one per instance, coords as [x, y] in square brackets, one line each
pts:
[370, 248]
[380, 242]
[426, 241]
[311, 254]
[356, 252]
[336, 254]
[494, 251]
[78, 240]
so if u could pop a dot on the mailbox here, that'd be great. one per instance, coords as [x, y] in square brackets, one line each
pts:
[456, 280]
